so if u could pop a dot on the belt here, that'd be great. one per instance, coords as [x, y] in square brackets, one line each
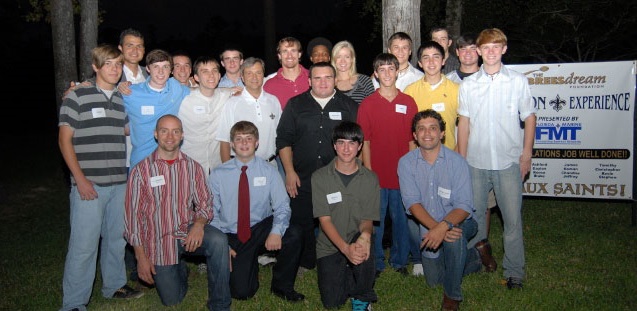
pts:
[271, 158]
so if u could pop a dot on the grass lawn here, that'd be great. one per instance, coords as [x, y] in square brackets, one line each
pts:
[581, 255]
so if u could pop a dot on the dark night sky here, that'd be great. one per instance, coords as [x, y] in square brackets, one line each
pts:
[166, 24]
[205, 26]
[174, 19]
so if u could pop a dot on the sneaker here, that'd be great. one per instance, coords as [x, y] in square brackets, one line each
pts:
[417, 270]
[126, 292]
[202, 268]
[514, 283]
[265, 260]
[359, 305]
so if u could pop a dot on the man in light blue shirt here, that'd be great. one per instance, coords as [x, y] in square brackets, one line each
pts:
[435, 185]
[270, 212]
[150, 100]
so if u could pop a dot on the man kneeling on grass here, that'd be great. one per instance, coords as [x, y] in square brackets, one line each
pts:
[435, 185]
[253, 210]
[168, 208]
[346, 200]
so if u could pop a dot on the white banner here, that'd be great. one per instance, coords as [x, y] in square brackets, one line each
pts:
[584, 135]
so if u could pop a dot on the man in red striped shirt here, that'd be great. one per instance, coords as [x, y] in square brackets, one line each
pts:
[168, 208]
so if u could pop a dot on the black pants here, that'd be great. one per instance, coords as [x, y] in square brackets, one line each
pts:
[303, 216]
[244, 278]
[339, 279]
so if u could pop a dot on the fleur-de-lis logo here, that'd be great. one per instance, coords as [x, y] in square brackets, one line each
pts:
[557, 103]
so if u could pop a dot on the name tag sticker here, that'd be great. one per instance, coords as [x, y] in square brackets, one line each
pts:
[199, 109]
[445, 193]
[259, 181]
[401, 109]
[438, 107]
[98, 112]
[148, 110]
[157, 181]
[334, 197]
[335, 115]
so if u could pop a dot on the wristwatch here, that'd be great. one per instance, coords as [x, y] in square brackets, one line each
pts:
[448, 224]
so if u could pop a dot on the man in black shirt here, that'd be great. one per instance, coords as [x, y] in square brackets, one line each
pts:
[304, 145]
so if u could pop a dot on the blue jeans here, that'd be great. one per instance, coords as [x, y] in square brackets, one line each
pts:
[414, 239]
[507, 185]
[90, 220]
[454, 261]
[171, 281]
[390, 200]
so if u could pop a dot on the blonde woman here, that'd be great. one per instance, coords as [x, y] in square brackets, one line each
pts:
[356, 86]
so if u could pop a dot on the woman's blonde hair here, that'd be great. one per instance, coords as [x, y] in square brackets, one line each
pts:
[345, 45]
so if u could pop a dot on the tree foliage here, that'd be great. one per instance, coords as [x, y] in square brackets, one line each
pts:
[559, 30]
[539, 31]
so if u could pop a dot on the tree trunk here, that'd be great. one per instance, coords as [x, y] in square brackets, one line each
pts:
[88, 37]
[402, 15]
[63, 37]
[454, 18]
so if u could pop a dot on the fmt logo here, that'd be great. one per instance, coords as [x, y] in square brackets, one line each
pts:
[557, 133]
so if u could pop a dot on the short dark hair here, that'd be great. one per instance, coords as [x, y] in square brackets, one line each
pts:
[436, 29]
[230, 48]
[348, 130]
[323, 64]
[129, 32]
[318, 41]
[431, 45]
[181, 53]
[428, 113]
[201, 60]
[400, 36]
[385, 59]
[466, 39]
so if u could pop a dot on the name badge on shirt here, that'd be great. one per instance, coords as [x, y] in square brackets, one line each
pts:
[334, 197]
[199, 109]
[148, 110]
[157, 181]
[445, 193]
[401, 109]
[335, 115]
[439, 107]
[259, 181]
[98, 112]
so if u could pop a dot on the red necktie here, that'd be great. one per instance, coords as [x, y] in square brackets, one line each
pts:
[243, 223]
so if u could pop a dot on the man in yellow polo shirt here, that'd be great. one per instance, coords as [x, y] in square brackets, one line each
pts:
[434, 90]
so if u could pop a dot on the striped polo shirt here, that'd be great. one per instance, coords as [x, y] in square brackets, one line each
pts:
[98, 138]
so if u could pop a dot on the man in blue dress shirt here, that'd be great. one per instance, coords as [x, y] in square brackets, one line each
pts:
[435, 185]
[269, 218]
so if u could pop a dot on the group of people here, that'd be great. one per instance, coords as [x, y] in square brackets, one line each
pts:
[303, 165]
